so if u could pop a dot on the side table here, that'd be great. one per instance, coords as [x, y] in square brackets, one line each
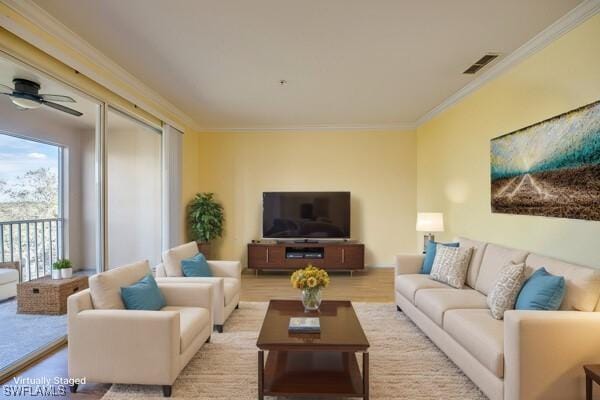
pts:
[48, 296]
[592, 374]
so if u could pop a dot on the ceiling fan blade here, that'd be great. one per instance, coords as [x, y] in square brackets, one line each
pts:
[5, 89]
[57, 97]
[62, 108]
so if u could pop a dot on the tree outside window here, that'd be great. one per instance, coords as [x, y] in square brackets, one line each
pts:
[28, 179]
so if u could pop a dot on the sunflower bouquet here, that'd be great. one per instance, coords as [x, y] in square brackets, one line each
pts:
[310, 280]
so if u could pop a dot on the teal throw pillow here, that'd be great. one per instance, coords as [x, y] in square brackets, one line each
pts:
[196, 266]
[542, 291]
[430, 250]
[143, 295]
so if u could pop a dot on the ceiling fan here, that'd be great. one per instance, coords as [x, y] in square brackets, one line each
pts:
[26, 96]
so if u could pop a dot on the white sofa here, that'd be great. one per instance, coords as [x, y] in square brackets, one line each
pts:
[109, 344]
[227, 279]
[9, 277]
[530, 354]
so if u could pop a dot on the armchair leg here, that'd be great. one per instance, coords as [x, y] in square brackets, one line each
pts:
[219, 328]
[398, 308]
[73, 388]
[167, 390]
[237, 306]
[207, 340]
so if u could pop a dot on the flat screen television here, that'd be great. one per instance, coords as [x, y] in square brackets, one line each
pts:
[306, 215]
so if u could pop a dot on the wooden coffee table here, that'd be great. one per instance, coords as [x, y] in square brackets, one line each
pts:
[316, 364]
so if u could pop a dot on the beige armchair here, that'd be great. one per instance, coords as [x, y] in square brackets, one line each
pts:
[110, 344]
[227, 279]
[9, 277]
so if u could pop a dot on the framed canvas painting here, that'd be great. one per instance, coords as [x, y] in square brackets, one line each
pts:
[551, 168]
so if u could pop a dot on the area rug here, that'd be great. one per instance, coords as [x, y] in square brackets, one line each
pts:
[404, 363]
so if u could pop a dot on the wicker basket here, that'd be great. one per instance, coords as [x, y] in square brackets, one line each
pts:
[48, 296]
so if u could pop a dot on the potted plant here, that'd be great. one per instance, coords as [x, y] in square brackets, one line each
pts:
[64, 267]
[310, 280]
[205, 218]
[56, 270]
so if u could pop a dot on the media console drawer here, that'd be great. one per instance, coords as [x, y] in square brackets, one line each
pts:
[330, 256]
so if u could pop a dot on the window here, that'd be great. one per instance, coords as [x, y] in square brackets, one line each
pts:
[30, 204]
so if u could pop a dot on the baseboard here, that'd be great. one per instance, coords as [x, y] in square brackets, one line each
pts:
[381, 266]
[378, 266]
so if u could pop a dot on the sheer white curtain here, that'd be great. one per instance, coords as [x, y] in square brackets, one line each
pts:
[172, 214]
[133, 190]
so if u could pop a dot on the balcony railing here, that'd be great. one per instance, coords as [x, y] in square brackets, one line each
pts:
[36, 244]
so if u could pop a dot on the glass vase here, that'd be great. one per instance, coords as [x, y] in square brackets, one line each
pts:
[311, 299]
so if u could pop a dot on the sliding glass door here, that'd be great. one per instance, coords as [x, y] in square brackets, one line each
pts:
[83, 187]
[133, 190]
[48, 208]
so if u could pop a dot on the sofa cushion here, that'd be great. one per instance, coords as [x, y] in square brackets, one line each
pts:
[542, 291]
[143, 295]
[8, 275]
[495, 258]
[192, 320]
[172, 258]
[430, 251]
[583, 283]
[232, 287]
[504, 294]
[476, 256]
[480, 334]
[435, 302]
[450, 265]
[407, 285]
[105, 287]
[196, 266]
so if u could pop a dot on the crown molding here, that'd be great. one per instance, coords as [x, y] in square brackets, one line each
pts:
[573, 18]
[401, 127]
[49, 24]
[115, 76]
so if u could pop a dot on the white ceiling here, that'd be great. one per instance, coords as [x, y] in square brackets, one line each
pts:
[347, 62]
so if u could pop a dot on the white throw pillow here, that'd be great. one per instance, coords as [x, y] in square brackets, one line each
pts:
[450, 265]
[105, 287]
[172, 258]
[504, 293]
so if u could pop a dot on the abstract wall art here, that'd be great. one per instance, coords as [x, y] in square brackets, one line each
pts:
[551, 168]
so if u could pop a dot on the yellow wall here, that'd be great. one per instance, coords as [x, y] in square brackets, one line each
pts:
[451, 154]
[453, 149]
[379, 168]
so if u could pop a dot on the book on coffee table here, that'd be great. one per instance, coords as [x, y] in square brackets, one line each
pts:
[304, 325]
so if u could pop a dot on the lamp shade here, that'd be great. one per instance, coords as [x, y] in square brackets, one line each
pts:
[430, 222]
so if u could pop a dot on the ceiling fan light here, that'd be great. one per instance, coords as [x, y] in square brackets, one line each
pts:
[25, 103]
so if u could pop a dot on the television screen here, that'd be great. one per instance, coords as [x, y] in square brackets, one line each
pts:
[306, 215]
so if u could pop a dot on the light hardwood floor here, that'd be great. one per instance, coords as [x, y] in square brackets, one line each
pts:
[372, 285]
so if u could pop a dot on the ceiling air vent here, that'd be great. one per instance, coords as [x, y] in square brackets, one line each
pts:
[482, 62]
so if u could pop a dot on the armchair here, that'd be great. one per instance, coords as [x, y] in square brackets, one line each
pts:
[9, 277]
[226, 279]
[115, 345]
